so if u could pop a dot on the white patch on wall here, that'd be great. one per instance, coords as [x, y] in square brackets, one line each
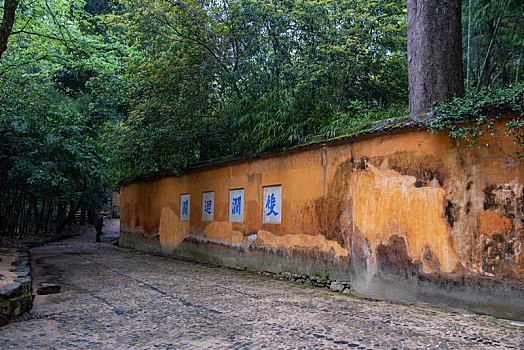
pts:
[184, 207]
[236, 205]
[208, 206]
[272, 204]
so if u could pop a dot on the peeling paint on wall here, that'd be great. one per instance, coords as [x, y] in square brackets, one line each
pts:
[389, 204]
[223, 231]
[300, 241]
[172, 230]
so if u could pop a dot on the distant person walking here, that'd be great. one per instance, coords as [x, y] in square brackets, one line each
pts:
[99, 224]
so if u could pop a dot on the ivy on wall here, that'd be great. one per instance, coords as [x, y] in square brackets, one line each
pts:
[472, 117]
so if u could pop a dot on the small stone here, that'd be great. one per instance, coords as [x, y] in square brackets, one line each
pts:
[286, 275]
[336, 286]
[48, 288]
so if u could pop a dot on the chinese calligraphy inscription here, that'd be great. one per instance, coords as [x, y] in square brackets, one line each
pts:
[236, 205]
[184, 207]
[208, 206]
[272, 204]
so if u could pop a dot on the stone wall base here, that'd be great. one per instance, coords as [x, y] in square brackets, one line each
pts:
[16, 297]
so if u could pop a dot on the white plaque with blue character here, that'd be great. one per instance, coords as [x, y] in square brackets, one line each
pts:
[236, 205]
[184, 207]
[272, 204]
[208, 206]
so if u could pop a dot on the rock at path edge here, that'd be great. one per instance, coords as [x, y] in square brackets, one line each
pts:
[48, 288]
[336, 286]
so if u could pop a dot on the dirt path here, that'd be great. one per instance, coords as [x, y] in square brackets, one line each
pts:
[115, 298]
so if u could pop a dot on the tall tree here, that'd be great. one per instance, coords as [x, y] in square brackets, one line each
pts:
[434, 53]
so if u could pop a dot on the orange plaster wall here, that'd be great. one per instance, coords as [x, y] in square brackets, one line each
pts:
[454, 209]
[116, 199]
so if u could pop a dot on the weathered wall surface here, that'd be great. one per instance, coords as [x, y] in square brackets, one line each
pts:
[409, 216]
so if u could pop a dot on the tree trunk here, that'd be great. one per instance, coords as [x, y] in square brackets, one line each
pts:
[15, 216]
[505, 75]
[48, 218]
[434, 53]
[73, 208]
[486, 76]
[83, 213]
[91, 215]
[7, 23]
[60, 215]
[29, 218]
[40, 217]
[4, 201]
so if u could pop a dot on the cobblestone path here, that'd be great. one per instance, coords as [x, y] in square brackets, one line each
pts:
[114, 298]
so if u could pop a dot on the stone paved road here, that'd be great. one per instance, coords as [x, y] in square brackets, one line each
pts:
[113, 298]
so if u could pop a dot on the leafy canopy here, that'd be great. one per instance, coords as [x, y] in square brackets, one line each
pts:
[216, 78]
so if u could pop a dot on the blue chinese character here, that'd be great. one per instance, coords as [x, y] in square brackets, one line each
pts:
[207, 206]
[270, 204]
[235, 206]
[185, 208]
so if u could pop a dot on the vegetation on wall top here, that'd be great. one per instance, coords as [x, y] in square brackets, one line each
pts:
[472, 117]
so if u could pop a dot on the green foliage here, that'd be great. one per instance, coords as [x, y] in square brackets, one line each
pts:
[497, 42]
[59, 81]
[47, 152]
[209, 78]
[471, 118]
[359, 118]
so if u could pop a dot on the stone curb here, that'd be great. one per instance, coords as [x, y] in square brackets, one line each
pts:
[314, 281]
[319, 281]
[16, 298]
